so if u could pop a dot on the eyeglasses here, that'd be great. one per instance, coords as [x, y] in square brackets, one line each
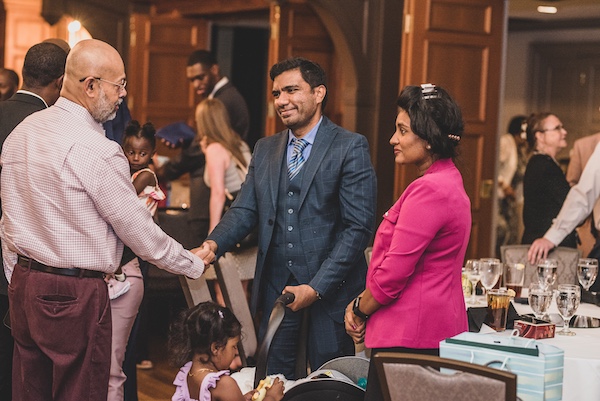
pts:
[121, 85]
[557, 128]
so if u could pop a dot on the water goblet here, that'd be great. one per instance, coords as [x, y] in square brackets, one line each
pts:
[587, 271]
[540, 299]
[491, 269]
[568, 297]
[547, 272]
[473, 274]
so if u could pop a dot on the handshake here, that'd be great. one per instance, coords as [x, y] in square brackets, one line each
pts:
[206, 252]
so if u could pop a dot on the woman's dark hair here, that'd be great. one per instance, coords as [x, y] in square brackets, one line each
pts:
[515, 127]
[197, 328]
[146, 131]
[434, 117]
[311, 72]
[535, 124]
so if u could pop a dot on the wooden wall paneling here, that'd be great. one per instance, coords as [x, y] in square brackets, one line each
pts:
[296, 30]
[160, 90]
[457, 44]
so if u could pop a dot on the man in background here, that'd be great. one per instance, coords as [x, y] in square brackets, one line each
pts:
[9, 83]
[204, 75]
[43, 71]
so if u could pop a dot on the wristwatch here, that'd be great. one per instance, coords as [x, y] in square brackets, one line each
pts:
[356, 310]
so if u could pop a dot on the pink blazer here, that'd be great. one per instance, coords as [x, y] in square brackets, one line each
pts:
[415, 269]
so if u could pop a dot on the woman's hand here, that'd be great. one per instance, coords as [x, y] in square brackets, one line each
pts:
[355, 326]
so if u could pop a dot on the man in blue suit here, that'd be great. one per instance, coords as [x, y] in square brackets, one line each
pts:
[310, 190]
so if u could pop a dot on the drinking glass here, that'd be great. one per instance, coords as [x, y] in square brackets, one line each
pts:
[587, 271]
[567, 301]
[490, 272]
[514, 277]
[547, 271]
[473, 274]
[540, 299]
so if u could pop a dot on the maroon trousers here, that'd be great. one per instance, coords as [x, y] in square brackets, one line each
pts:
[62, 331]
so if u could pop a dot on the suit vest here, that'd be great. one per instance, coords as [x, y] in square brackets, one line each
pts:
[285, 254]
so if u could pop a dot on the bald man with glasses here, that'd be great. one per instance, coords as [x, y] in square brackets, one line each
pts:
[69, 206]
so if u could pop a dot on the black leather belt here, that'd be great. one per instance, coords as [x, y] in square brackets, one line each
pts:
[72, 271]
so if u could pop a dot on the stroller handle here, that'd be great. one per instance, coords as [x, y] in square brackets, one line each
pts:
[286, 299]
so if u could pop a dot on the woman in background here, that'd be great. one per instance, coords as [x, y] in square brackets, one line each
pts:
[227, 159]
[545, 186]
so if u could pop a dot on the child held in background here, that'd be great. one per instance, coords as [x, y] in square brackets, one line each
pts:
[204, 340]
[139, 145]
[126, 295]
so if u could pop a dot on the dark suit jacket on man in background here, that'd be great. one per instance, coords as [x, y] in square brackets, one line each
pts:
[336, 218]
[12, 112]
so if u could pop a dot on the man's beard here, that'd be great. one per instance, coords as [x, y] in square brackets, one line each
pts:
[104, 110]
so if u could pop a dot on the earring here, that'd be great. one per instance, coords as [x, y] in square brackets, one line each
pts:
[428, 147]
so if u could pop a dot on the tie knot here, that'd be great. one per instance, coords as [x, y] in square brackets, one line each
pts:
[299, 144]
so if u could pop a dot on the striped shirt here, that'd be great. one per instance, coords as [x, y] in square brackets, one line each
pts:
[68, 201]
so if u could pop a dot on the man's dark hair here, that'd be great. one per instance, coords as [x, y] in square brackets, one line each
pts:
[12, 76]
[311, 72]
[43, 63]
[203, 57]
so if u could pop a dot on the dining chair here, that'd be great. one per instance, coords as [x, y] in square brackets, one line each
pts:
[412, 377]
[567, 259]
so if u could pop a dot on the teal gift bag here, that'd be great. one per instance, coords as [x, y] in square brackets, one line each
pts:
[538, 366]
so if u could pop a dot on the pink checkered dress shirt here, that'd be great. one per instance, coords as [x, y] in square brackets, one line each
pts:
[68, 201]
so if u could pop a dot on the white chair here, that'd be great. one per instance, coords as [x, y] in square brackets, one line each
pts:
[412, 377]
[567, 259]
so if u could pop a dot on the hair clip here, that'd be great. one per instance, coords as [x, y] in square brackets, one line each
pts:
[454, 137]
[429, 91]
[221, 314]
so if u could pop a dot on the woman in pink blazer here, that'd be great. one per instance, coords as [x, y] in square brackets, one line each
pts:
[413, 297]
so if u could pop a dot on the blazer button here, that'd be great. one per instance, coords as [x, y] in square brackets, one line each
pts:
[270, 222]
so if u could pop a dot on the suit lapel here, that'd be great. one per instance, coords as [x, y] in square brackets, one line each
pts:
[279, 153]
[320, 148]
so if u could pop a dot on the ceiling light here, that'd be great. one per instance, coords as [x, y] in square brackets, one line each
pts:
[547, 10]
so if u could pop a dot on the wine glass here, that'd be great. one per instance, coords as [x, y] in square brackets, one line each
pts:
[547, 271]
[490, 272]
[473, 274]
[540, 299]
[587, 271]
[567, 301]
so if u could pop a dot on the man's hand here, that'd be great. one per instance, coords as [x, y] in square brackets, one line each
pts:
[539, 250]
[304, 294]
[206, 252]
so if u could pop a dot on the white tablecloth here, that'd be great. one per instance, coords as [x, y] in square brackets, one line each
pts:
[581, 378]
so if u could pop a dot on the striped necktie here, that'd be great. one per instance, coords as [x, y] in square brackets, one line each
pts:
[297, 159]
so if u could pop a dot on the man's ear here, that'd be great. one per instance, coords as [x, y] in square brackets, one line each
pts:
[58, 82]
[89, 85]
[320, 91]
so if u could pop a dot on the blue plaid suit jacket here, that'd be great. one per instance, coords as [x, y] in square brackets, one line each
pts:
[336, 214]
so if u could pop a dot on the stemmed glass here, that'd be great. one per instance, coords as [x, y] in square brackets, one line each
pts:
[587, 271]
[547, 271]
[473, 274]
[540, 299]
[568, 297]
[491, 269]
